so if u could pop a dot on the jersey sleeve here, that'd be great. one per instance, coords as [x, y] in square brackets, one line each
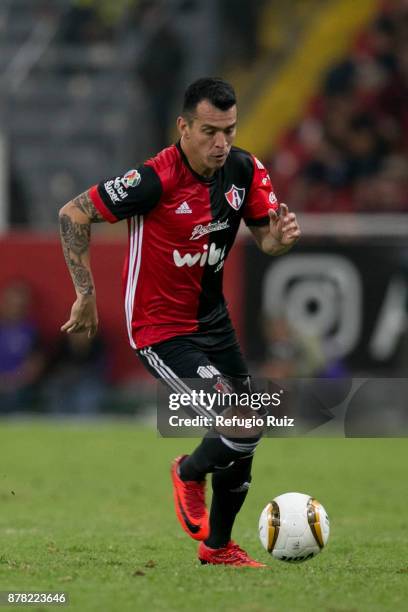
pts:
[261, 197]
[134, 193]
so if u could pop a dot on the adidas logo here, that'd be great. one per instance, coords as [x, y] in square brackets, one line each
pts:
[183, 209]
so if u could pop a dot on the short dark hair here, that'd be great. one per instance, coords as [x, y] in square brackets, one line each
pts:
[217, 91]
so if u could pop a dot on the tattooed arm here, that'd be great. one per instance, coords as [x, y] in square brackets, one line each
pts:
[75, 230]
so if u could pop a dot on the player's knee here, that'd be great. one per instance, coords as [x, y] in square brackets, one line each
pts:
[241, 447]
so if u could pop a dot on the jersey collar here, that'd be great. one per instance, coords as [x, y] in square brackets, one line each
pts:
[199, 177]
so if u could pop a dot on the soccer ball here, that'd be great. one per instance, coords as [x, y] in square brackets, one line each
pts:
[294, 527]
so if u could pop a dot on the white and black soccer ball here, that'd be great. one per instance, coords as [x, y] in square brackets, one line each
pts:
[294, 527]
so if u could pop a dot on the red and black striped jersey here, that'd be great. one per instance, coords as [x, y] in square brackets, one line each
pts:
[181, 229]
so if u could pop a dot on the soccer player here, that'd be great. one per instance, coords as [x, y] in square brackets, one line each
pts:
[184, 207]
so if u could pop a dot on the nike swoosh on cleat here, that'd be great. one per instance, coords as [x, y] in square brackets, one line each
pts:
[190, 526]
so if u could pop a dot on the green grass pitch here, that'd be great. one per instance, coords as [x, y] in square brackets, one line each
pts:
[87, 509]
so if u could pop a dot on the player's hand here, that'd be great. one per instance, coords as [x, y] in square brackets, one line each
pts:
[284, 227]
[84, 316]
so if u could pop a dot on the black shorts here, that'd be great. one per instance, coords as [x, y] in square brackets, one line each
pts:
[199, 355]
[210, 362]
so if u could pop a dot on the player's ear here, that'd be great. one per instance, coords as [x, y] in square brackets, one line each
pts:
[183, 126]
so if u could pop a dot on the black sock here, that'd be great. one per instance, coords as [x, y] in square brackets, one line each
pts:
[230, 488]
[210, 454]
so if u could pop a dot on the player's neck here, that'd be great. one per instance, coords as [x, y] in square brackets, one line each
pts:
[195, 163]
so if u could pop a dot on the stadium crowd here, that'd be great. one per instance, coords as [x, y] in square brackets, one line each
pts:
[349, 151]
[70, 378]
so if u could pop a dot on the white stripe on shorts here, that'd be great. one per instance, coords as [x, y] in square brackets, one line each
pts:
[174, 381]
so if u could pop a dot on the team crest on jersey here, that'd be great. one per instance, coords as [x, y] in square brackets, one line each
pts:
[235, 196]
[132, 178]
[272, 198]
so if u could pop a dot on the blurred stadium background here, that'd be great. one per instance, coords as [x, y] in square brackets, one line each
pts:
[91, 88]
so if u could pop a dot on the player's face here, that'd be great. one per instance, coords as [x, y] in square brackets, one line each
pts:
[208, 138]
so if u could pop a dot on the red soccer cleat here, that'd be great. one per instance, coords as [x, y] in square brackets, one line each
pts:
[231, 554]
[189, 500]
